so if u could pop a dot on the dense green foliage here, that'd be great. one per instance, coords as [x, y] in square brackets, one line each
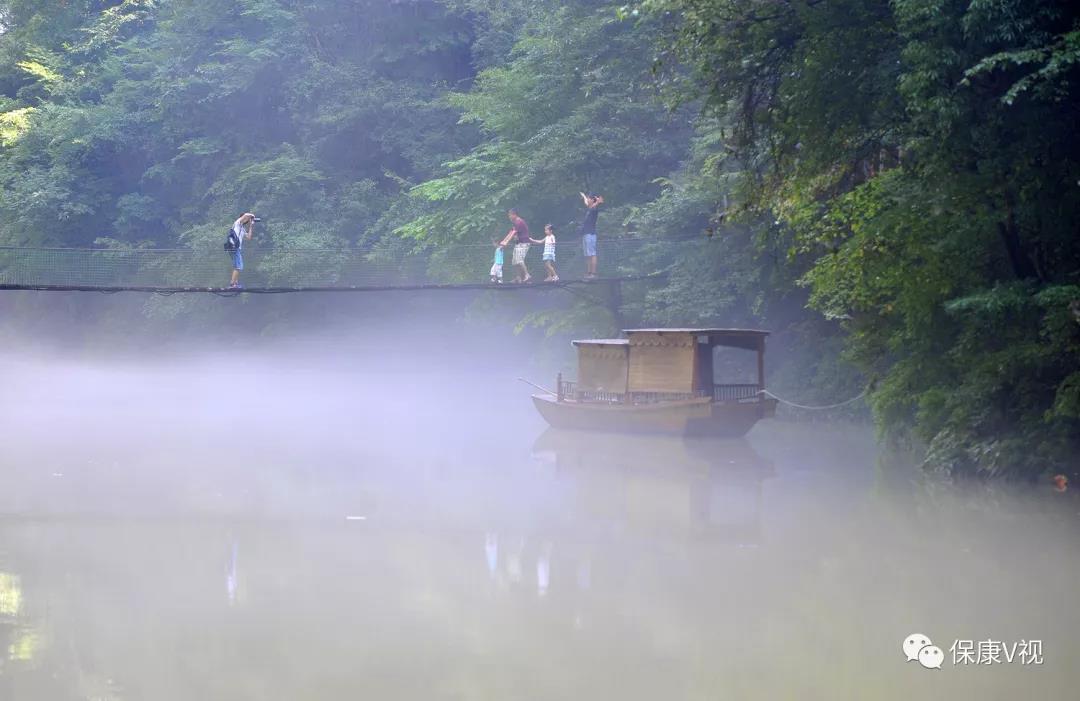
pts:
[924, 159]
[891, 187]
[151, 121]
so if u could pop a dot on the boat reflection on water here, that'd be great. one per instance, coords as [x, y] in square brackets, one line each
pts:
[703, 489]
[619, 495]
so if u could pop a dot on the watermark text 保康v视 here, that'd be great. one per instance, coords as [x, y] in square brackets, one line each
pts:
[990, 651]
[918, 647]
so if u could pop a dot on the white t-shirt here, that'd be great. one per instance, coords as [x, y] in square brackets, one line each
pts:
[238, 229]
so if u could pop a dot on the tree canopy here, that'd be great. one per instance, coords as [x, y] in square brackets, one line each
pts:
[893, 187]
[923, 157]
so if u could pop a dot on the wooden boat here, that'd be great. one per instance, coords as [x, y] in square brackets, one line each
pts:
[660, 381]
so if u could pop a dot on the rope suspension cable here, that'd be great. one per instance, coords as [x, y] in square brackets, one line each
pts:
[234, 292]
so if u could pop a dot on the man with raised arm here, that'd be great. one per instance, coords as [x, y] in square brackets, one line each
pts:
[588, 232]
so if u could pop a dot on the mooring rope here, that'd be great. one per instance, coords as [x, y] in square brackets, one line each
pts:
[533, 384]
[818, 408]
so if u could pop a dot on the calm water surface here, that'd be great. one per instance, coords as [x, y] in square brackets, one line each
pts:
[292, 535]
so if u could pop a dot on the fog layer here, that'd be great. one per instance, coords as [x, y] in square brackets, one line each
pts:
[339, 520]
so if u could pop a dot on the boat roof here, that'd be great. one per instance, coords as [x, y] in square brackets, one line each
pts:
[747, 339]
[704, 332]
[737, 338]
[602, 342]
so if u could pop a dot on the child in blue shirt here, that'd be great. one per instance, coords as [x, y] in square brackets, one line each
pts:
[497, 265]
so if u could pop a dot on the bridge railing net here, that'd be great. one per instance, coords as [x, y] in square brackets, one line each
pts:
[276, 267]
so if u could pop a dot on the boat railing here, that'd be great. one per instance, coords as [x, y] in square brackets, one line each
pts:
[570, 390]
[654, 397]
[734, 393]
[720, 393]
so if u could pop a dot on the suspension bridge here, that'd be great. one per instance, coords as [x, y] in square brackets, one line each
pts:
[295, 270]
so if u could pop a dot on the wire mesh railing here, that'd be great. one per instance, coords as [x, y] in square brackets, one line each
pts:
[291, 267]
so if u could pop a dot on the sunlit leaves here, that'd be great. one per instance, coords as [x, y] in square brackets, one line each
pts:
[115, 24]
[40, 71]
[14, 124]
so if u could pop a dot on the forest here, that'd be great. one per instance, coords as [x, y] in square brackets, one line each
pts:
[892, 188]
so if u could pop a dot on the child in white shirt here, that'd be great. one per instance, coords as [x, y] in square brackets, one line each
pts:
[549, 254]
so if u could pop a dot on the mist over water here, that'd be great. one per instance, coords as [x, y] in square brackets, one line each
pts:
[352, 517]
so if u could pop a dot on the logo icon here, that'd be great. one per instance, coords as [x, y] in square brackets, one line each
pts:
[918, 647]
[931, 657]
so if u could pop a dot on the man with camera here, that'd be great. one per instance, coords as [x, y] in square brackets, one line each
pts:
[242, 230]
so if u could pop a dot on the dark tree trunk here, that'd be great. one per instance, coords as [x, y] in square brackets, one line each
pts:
[1021, 263]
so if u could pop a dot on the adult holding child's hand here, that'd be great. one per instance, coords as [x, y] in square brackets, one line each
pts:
[519, 235]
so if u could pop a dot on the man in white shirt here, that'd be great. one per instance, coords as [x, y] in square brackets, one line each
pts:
[242, 228]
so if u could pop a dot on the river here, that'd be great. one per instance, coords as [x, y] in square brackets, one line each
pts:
[283, 532]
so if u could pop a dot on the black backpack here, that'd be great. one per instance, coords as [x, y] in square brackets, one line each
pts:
[232, 241]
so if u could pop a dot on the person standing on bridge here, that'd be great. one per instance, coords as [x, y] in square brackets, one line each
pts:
[242, 230]
[520, 235]
[588, 232]
[549, 253]
[497, 263]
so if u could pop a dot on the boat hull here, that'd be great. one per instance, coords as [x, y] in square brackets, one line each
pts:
[692, 417]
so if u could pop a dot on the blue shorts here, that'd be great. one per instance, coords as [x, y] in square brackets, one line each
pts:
[237, 260]
[588, 242]
[549, 256]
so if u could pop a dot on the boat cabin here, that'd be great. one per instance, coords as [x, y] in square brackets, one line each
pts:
[654, 365]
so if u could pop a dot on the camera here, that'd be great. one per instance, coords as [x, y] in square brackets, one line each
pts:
[256, 219]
